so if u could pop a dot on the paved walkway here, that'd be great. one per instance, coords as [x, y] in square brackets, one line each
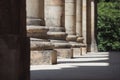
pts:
[92, 66]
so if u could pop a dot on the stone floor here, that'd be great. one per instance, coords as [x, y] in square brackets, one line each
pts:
[92, 66]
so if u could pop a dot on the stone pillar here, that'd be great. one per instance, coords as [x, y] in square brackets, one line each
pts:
[14, 45]
[70, 19]
[84, 20]
[53, 18]
[93, 40]
[54, 12]
[79, 20]
[35, 12]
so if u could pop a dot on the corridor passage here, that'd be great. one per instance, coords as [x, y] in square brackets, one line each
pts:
[92, 66]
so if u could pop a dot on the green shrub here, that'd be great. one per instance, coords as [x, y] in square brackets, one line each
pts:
[108, 36]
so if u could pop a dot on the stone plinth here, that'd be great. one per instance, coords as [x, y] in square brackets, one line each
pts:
[79, 47]
[64, 53]
[42, 52]
[63, 49]
[77, 52]
[43, 57]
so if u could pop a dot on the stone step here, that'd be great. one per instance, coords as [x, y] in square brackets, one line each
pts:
[57, 35]
[34, 21]
[37, 31]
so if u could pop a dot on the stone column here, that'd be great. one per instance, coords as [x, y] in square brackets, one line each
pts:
[54, 11]
[54, 14]
[54, 18]
[79, 20]
[35, 12]
[93, 40]
[14, 45]
[70, 19]
[84, 20]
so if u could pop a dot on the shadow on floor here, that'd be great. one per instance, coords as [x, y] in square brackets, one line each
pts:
[93, 66]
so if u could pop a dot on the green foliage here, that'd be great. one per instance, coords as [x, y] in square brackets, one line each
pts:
[108, 0]
[108, 26]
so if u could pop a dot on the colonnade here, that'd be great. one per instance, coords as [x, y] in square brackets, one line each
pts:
[68, 21]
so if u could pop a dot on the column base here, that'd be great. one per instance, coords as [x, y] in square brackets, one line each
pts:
[35, 21]
[71, 38]
[57, 35]
[80, 39]
[37, 31]
[43, 57]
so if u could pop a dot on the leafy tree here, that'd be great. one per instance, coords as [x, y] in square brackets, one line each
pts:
[108, 25]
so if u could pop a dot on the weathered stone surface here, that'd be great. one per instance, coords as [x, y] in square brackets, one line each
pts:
[80, 39]
[79, 18]
[56, 29]
[57, 35]
[71, 38]
[77, 45]
[70, 8]
[61, 45]
[37, 31]
[84, 20]
[40, 40]
[77, 52]
[53, 12]
[43, 57]
[70, 25]
[64, 53]
[41, 45]
[35, 21]
[58, 41]
[35, 8]
[84, 50]
[40, 29]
